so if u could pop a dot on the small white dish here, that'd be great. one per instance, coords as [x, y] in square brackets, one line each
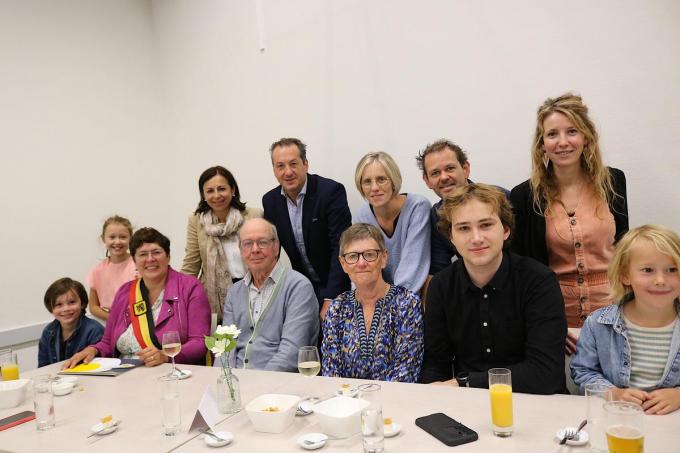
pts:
[312, 441]
[226, 437]
[392, 429]
[305, 407]
[62, 388]
[71, 379]
[582, 438]
[351, 392]
[102, 429]
[185, 374]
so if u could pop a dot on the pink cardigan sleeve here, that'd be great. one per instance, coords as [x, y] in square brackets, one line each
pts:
[192, 320]
[196, 310]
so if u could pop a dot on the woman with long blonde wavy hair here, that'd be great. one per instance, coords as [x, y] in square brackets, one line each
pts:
[573, 209]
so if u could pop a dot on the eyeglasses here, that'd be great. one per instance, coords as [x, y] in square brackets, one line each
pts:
[380, 181]
[157, 253]
[261, 243]
[369, 256]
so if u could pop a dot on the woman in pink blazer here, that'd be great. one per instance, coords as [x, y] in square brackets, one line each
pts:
[161, 300]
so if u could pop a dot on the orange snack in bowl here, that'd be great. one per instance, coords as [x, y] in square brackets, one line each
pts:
[387, 421]
[106, 420]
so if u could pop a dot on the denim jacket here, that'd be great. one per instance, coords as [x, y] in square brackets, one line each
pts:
[87, 332]
[603, 352]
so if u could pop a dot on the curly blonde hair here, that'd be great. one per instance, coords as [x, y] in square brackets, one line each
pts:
[543, 183]
[664, 239]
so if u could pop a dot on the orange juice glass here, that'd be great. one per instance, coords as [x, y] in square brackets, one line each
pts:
[500, 392]
[9, 367]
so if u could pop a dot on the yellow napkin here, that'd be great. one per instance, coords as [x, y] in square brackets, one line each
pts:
[83, 367]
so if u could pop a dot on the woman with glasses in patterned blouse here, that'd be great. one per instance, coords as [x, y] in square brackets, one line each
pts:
[376, 330]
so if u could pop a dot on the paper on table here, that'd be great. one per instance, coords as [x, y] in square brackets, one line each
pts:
[97, 365]
[208, 413]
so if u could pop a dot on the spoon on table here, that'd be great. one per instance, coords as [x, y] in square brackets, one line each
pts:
[305, 405]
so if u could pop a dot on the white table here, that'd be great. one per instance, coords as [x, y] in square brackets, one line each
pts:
[134, 398]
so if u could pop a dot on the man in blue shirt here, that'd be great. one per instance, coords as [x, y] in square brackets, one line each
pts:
[310, 213]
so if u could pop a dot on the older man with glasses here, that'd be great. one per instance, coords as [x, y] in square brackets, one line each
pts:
[274, 306]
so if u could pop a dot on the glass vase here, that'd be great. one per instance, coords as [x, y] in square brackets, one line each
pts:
[228, 392]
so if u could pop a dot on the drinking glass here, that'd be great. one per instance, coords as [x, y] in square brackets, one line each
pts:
[597, 394]
[500, 391]
[624, 427]
[171, 347]
[372, 430]
[170, 408]
[308, 361]
[9, 366]
[43, 402]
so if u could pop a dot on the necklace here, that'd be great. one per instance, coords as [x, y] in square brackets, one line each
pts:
[572, 212]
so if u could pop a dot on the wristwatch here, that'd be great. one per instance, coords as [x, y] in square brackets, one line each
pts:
[463, 379]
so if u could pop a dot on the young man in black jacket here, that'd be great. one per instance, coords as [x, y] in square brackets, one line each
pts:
[492, 308]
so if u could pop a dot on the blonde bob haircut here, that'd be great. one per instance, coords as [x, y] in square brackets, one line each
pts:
[484, 193]
[387, 162]
[543, 183]
[664, 239]
[360, 231]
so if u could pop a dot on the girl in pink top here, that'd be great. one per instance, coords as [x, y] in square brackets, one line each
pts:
[117, 268]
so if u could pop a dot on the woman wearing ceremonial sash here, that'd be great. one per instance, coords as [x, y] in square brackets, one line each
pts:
[161, 300]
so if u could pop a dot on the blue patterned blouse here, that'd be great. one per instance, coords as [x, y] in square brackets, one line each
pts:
[391, 351]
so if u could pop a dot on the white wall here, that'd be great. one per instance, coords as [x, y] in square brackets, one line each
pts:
[82, 137]
[118, 106]
[353, 76]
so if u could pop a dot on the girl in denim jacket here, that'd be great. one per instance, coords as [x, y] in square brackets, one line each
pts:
[634, 346]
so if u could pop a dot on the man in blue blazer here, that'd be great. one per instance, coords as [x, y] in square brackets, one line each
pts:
[310, 213]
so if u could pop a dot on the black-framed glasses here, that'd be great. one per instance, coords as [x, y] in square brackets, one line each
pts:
[369, 256]
[261, 243]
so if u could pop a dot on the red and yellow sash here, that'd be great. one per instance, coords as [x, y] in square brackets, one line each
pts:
[141, 316]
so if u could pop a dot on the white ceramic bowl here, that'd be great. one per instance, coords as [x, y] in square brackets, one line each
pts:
[12, 393]
[272, 421]
[340, 416]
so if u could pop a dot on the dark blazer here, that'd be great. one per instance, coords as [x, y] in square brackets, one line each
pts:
[325, 215]
[528, 238]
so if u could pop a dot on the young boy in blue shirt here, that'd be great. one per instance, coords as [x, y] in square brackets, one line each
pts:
[71, 330]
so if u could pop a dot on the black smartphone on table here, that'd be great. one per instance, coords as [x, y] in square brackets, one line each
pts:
[446, 429]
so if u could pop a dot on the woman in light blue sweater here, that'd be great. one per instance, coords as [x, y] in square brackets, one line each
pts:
[404, 219]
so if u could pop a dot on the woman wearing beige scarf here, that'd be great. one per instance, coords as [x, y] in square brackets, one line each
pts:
[212, 252]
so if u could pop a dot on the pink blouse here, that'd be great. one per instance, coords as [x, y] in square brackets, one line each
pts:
[579, 250]
[106, 277]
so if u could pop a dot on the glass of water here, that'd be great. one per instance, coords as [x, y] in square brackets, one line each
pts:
[596, 395]
[373, 435]
[43, 402]
[170, 408]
